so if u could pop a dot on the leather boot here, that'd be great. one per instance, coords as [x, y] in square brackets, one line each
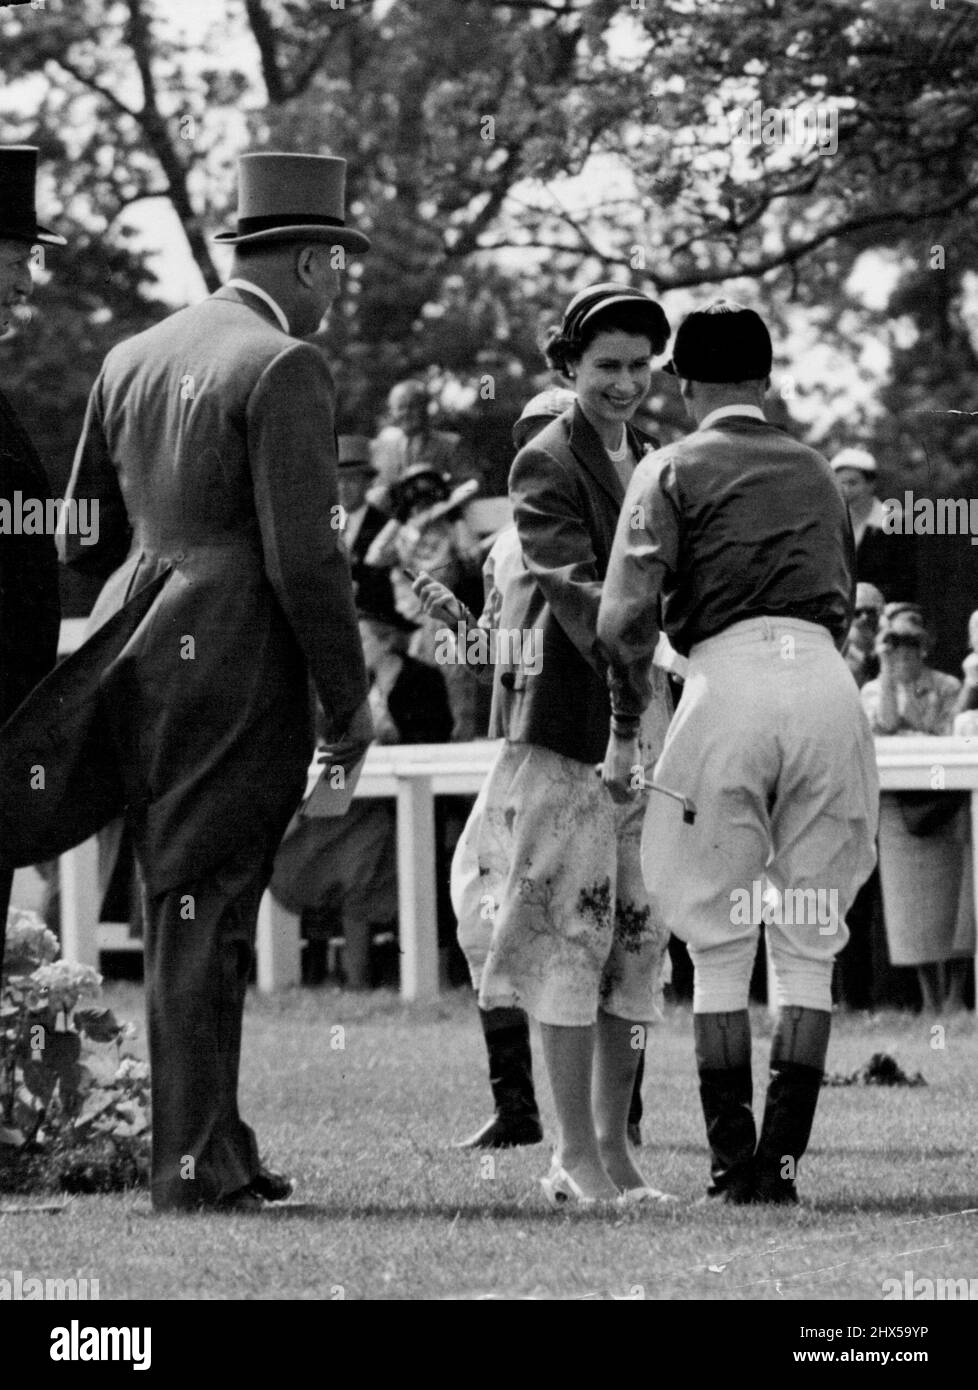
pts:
[517, 1120]
[635, 1106]
[726, 1093]
[798, 1049]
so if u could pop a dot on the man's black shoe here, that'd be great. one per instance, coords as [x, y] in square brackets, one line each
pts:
[738, 1193]
[271, 1187]
[244, 1200]
[776, 1192]
[502, 1133]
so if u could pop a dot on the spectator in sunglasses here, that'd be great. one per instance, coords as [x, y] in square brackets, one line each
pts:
[909, 697]
[859, 649]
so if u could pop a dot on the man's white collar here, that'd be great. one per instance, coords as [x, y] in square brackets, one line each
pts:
[754, 411]
[239, 284]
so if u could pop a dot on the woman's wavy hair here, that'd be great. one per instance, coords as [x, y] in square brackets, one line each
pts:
[641, 320]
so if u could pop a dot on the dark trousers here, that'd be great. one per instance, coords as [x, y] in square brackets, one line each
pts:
[198, 948]
[6, 883]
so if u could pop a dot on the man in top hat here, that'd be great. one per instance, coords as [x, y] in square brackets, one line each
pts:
[209, 445]
[360, 521]
[410, 441]
[882, 560]
[740, 532]
[30, 612]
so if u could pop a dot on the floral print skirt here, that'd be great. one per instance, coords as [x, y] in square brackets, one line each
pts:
[547, 887]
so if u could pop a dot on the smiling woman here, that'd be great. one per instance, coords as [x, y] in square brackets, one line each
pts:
[574, 940]
[605, 347]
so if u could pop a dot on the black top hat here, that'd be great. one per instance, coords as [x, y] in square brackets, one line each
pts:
[723, 342]
[284, 197]
[18, 219]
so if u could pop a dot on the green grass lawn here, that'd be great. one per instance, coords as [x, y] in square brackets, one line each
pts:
[386, 1209]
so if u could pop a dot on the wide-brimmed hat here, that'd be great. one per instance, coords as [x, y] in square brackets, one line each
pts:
[353, 453]
[722, 343]
[860, 459]
[18, 218]
[289, 197]
[422, 480]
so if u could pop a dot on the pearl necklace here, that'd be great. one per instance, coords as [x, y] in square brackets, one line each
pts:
[620, 454]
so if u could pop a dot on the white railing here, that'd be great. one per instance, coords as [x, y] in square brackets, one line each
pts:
[413, 775]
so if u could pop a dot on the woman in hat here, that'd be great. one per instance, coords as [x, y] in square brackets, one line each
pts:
[478, 866]
[922, 838]
[574, 941]
[428, 531]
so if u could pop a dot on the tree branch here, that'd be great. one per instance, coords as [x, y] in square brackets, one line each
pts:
[123, 204]
[801, 249]
[157, 135]
[266, 38]
[93, 86]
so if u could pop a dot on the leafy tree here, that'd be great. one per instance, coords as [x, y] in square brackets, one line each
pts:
[464, 120]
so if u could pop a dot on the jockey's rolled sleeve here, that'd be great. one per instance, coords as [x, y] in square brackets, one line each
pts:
[646, 548]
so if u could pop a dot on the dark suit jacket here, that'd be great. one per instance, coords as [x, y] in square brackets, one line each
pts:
[371, 586]
[418, 704]
[209, 441]
[887, 562]
[566, 499]
[30, 611]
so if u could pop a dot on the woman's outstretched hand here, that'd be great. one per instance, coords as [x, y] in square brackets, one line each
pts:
[437, 600]
[621, 769]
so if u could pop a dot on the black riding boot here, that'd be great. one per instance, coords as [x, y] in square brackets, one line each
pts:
[798, 1049]
[635, 1106]
[726, 1093]
[517, 1120]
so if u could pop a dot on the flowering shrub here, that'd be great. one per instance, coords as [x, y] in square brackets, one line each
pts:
[69, 1118]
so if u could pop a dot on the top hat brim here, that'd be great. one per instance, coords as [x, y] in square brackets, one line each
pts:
[334, 236]
[31, 235]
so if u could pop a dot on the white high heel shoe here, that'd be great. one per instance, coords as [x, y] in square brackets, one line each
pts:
[633, 1195]
[561, 1190]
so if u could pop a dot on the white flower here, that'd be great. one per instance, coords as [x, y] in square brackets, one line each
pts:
[131, 1069]
[29, 943]
[61, 985]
